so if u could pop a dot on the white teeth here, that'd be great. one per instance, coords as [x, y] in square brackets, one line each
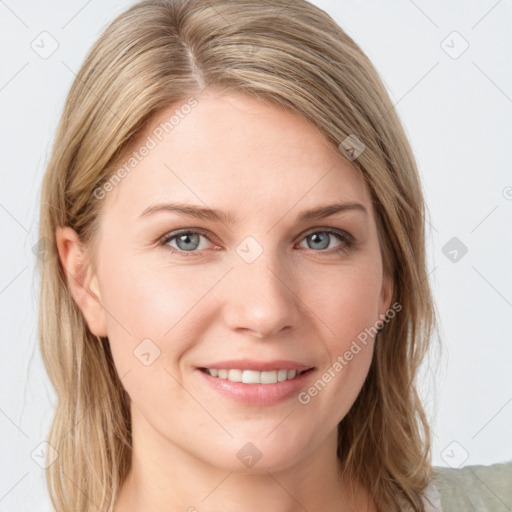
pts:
[250, 377]
[254, 377]
[235, 375]
[282, 375]
[268, 377]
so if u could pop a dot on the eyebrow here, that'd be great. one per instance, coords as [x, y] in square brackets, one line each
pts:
[214, 215]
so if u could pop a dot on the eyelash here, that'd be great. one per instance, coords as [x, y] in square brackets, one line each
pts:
[346, 238]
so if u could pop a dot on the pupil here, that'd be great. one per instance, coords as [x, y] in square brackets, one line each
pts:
[319, 238]
[186, 238]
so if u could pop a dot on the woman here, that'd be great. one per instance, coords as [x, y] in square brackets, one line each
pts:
[239, 304]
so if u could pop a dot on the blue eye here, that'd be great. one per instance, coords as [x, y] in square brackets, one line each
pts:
[321, 240]
[188, 242]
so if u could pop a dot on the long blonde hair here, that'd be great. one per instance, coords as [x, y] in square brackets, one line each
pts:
[291, 54]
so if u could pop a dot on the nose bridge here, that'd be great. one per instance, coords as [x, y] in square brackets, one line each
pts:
[260, 295]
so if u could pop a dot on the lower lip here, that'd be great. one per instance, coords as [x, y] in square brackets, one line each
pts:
[258, 394]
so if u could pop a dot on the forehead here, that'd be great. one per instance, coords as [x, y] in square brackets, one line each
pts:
[233, 150]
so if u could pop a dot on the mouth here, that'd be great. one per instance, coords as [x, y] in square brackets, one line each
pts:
[253, 388]
[254, 376]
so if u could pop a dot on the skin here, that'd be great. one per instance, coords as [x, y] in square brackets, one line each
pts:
[297, 300]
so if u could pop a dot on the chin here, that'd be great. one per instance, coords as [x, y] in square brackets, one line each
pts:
[257, 454]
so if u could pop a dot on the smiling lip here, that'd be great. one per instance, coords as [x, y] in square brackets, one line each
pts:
[258, 394]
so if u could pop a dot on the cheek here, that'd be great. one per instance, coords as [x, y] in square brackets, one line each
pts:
[151, 321]
[146, 300]
[347, 301]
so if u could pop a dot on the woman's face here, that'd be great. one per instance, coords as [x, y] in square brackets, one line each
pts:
[251, 281]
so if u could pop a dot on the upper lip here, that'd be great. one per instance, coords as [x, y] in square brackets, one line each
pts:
[260, 366]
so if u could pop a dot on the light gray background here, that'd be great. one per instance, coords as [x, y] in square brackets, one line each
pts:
[457, 111]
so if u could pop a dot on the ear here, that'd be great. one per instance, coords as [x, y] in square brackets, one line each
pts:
[386, 293]
[81, 282]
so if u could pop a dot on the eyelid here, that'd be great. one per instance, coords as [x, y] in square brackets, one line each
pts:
[173, 234]
[341, 232]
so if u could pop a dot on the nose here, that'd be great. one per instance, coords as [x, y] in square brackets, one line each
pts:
[260, 298]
